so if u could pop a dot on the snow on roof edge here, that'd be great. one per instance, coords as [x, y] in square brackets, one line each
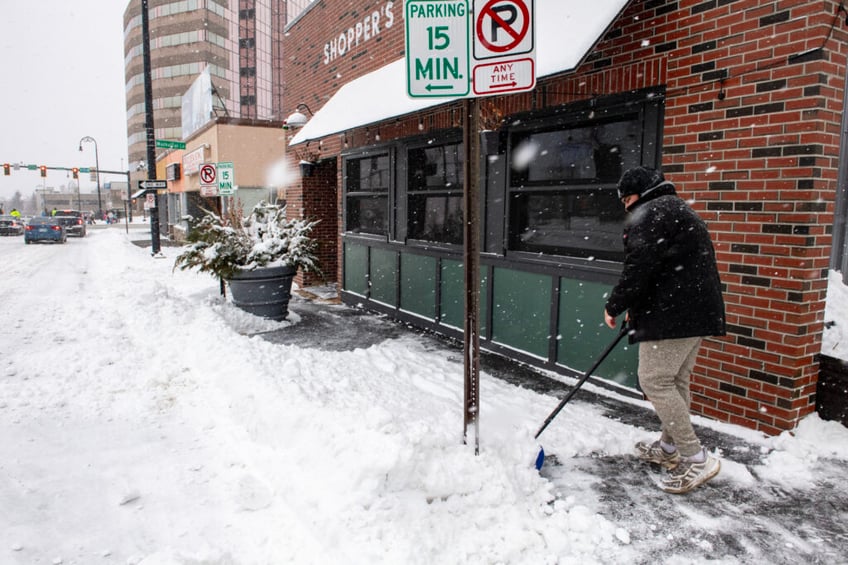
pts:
[583, 22]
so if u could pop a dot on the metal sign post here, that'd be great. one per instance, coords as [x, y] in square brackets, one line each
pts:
[440, 61]
[471, 202]
[155, 240]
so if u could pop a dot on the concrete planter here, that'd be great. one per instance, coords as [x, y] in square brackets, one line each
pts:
[263, 292]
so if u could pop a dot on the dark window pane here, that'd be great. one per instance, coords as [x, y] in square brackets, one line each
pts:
[580, 223]
[366, 194]
[562, 186]
[434, 193]
[435, 218]
[435, 168]
[368, 174]
[594, 152]
[367, 214]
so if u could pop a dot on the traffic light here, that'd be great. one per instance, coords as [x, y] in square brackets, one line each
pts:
[7, 169]
[75, 171]
[43, 170]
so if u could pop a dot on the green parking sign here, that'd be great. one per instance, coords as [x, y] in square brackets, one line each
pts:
[226, 179]
[437, 48]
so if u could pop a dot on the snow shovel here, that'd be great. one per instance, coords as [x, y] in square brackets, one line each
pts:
[540, 459]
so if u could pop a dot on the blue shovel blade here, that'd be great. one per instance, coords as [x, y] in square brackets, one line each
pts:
[540, 459]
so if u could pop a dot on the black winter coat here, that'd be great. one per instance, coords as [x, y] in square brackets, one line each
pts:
[670, 283]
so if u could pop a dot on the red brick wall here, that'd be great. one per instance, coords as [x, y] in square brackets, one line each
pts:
[311, 80]
[754, 95]
[318, 61]
[751, 137]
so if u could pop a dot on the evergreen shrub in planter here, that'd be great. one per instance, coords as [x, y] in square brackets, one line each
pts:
[258, 255]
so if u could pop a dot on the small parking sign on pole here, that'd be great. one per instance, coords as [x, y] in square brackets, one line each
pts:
[226, 179]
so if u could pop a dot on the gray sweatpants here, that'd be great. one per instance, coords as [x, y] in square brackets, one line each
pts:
[664, 370]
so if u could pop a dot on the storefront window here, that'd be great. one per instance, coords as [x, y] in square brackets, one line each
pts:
[367, 194]
[563, 199]
[434, 193]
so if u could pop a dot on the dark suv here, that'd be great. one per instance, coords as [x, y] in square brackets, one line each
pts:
[73, 220]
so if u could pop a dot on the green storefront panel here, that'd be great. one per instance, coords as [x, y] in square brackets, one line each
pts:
[418, 284]
[521, 310]
[384, 276]
[356, 268]
[583, 335]
[453, 295]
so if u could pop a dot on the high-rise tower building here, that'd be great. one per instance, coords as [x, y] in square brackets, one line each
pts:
[237, 41]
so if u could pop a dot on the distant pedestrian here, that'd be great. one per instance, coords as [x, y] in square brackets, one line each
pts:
[15, 214]
[53, 212]
[670, 292]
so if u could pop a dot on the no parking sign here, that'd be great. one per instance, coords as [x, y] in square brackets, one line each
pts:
[502, 28]
[209, 174]
[208, 179]
[445, 39]
[504, 46]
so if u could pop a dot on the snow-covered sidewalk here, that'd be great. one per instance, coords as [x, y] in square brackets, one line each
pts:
[143, 420]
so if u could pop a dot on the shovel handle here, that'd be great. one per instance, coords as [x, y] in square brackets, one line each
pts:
[621, 333]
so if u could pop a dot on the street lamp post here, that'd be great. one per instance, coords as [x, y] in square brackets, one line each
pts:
[89, 139]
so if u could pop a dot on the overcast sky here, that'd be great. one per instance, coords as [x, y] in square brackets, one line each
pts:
[62, 66]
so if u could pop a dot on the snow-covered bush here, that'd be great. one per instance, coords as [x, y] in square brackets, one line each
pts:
[225, 245]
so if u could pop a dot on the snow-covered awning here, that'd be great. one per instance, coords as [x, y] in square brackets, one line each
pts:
[565, 31]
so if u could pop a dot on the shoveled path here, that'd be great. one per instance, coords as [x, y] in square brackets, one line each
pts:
[724, 521]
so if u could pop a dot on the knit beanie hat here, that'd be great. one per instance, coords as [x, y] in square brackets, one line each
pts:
[639, 180]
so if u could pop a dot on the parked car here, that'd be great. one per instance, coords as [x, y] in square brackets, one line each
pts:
[44, 228]
[10, 225]
[73, 220]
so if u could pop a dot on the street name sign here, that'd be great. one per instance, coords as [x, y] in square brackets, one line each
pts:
[150, 187]
[153, 184]
[168, 144]
[437, 49]
[226, 179]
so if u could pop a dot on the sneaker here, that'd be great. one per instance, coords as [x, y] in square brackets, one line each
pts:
[654, 453]
[688, 475]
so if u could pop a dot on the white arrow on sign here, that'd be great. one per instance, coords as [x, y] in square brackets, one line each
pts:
[153, 184]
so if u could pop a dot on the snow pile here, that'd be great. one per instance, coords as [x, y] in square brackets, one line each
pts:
[142, 422]
[835, 338]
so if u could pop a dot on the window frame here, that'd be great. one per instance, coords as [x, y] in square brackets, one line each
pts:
[645, 106]
[447, 138]
[360, 155]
